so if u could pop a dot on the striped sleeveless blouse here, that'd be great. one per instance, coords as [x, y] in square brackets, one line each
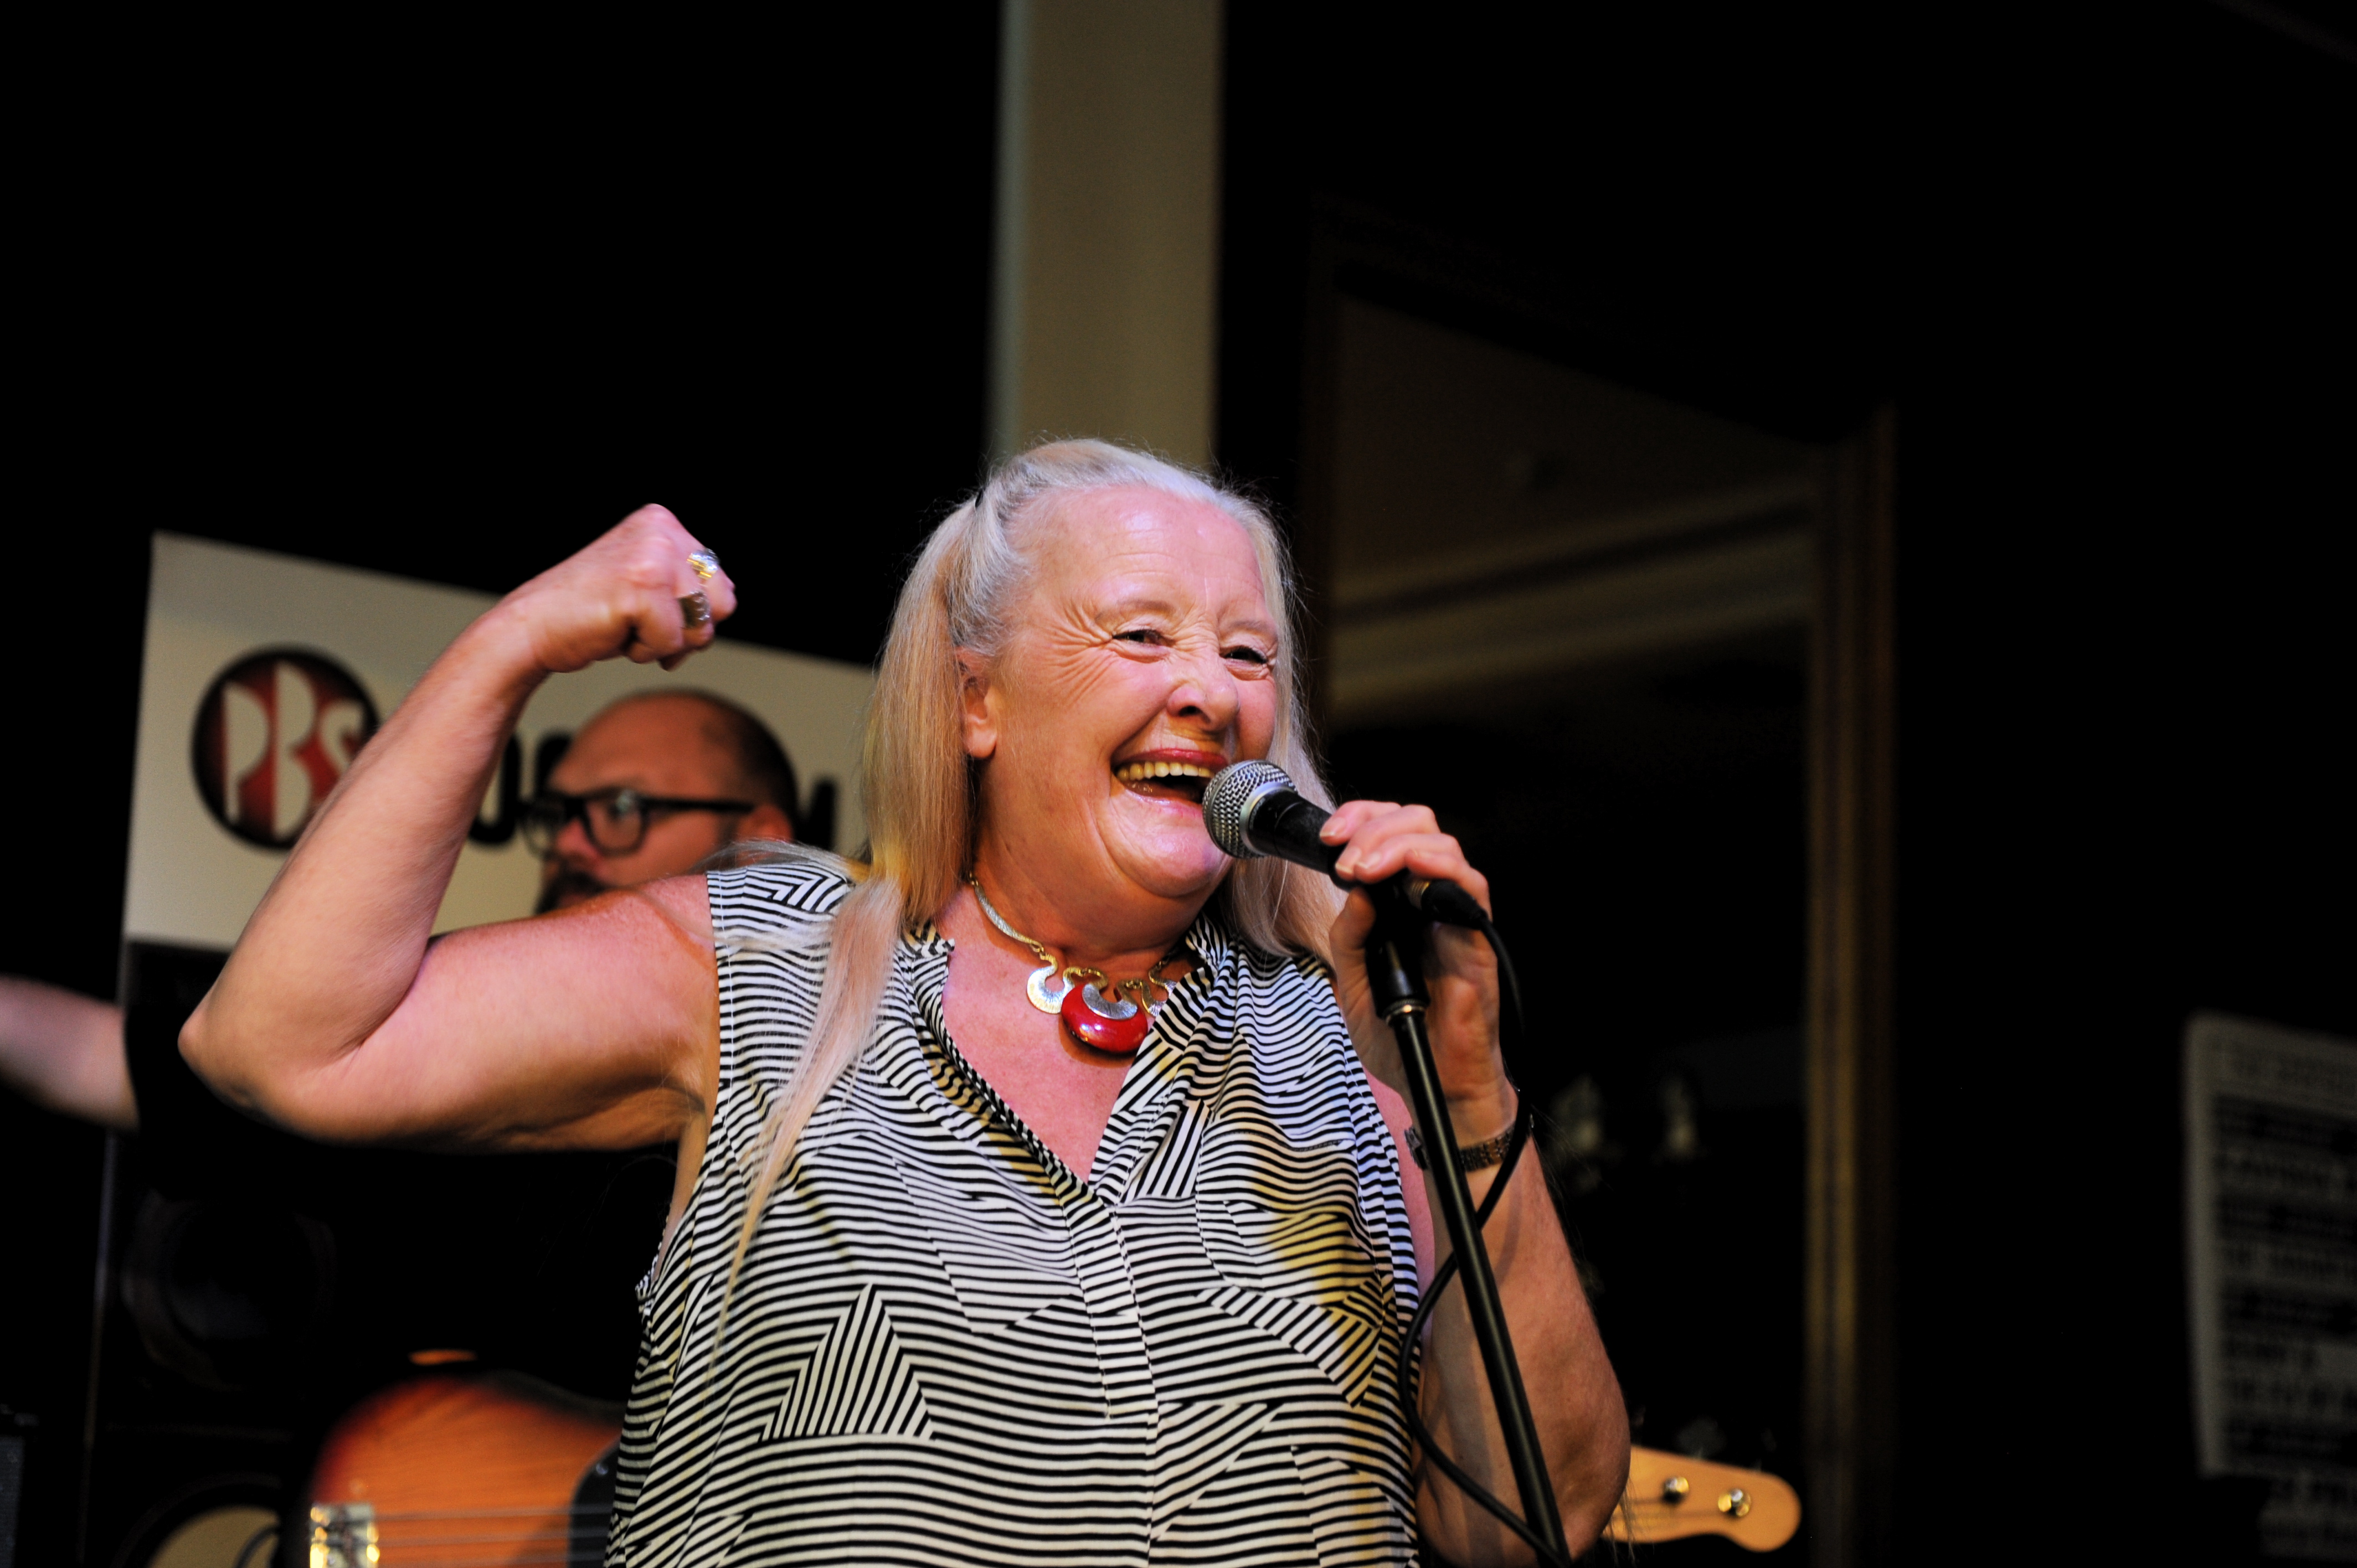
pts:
[945, 1348]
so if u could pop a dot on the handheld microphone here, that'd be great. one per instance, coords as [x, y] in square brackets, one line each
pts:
[1252, 810]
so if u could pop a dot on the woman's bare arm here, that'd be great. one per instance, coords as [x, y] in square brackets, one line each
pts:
[338, 1017]
[1574, 1398]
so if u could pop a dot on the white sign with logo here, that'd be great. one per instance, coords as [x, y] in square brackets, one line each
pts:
[265, 674]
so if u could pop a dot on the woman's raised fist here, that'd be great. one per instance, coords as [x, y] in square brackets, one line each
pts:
[635, 593]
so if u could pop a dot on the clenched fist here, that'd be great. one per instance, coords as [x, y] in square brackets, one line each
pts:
[630, 594]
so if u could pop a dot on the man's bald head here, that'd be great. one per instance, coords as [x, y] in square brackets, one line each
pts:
[746, 759]
[674, 745]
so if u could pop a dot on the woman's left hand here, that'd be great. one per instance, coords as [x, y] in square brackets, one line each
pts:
[1381, 839]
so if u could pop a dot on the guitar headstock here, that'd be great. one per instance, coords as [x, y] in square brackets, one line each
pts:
[1671, 1496]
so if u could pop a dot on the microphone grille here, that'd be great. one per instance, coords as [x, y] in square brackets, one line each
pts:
[1228, 800]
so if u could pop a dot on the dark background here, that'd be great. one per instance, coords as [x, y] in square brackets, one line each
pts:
[2096, 259]
[448, 306]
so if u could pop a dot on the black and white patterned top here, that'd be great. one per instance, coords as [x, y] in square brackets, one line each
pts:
[945, 1348]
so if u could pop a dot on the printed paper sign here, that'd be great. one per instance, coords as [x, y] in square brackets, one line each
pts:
[2271, 1211]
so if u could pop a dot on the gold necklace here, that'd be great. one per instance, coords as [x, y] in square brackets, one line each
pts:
[1100, 1014]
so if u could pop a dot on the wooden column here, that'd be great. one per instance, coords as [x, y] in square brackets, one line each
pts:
[1850, 1395]
[1105, 289]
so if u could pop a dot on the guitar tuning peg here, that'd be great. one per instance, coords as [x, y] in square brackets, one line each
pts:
[1735, 1502]
[1675, 1488]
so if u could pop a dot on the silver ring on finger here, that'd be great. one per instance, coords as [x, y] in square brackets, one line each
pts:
[707, 565]
[695, 610]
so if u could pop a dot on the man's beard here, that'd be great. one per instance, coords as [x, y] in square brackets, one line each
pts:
[571, 885]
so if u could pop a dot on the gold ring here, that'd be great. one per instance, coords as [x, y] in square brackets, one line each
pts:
[706, 564]
[695, 609]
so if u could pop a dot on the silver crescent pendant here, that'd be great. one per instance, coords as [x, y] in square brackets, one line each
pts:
[1115, 1006]
[1047, 987]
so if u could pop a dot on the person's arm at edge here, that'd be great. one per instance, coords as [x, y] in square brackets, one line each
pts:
[63, 1051]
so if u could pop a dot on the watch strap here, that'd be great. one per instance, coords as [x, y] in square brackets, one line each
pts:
[1471, 1158]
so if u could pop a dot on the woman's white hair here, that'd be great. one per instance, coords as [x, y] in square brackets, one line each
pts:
[965, 594]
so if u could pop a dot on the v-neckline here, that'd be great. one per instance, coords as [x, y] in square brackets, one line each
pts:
[933, 998]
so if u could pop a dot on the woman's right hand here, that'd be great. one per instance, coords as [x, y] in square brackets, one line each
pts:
[620, 597]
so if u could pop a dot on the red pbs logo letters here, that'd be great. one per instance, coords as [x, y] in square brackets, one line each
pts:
[274, 732]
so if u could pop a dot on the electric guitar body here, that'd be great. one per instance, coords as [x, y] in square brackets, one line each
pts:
[482, 1469]
[495, 1470]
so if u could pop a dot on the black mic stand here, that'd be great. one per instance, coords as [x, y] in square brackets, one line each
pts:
[1395, 979]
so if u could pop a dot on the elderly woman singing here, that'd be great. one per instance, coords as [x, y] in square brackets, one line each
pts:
[1041, 1194]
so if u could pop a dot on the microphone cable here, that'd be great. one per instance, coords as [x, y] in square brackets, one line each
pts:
[1234, 801]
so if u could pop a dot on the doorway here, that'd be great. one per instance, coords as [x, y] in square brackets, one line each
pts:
[1574, 618]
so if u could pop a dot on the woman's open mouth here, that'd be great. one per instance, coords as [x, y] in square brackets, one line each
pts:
[1166, 780]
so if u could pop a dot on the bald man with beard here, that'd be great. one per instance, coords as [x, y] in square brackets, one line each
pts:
[651, 786]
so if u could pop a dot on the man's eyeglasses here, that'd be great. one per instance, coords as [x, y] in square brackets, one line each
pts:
[616, 820]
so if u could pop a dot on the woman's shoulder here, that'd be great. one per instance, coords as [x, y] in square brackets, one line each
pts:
[1219, 937]
[785, 884]
[1240, 960]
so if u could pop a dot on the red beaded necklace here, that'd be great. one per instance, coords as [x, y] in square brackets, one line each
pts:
[1100, 1014]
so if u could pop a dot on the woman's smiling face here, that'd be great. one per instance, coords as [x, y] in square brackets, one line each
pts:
[1142, 661]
